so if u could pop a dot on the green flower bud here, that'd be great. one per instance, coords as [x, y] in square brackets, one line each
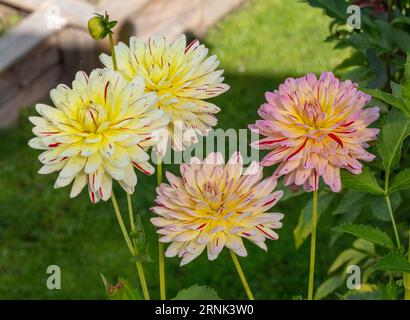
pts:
[98, 28]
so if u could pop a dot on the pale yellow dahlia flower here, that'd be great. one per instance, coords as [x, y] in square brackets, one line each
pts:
[97, 132]
[315, 127]
[215, 205]
[182, 76]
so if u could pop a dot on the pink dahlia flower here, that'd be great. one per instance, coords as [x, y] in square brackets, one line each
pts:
[314, 127]
[215, 205]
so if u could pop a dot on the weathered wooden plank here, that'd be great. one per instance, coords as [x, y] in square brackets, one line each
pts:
[28, 34]
[37, 61]
[78, 12]
[169, 18]
[28, 5]
[36, 91]
[78, 52]
[9, 86]
[121, 10]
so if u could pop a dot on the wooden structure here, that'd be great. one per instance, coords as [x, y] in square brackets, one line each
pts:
[51, 43]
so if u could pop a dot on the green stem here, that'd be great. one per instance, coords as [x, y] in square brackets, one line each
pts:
[242, 275]
[313, 247]
[390, 209]
[131, 248]
[140, 268]
[396, 233]
[161, 258]
[130, 212]
[113, 56]
[121, 223]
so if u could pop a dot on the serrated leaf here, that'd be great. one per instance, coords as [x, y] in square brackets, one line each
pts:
[364, 182]
[197, 292]
[369, 233]
[400, 181]
[395, 262]
[395, 129]
[304, 226]
[328, 287]
[345, 257]
[386, 97]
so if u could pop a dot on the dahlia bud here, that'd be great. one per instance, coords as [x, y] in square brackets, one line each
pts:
[99, 26]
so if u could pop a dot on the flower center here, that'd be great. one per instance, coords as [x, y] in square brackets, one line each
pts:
[92, 117]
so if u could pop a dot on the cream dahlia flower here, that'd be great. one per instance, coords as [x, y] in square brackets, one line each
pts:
[182, 76]
[215, 205]
[314, 127]
[97, 132]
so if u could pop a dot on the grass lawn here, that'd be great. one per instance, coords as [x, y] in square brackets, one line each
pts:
[259, 45]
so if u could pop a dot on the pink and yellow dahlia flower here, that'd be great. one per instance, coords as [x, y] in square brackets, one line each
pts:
[315, 127]
[97, 131]
[215, 205]
[182, 76]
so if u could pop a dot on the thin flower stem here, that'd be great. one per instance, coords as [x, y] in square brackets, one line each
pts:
[130, 246]
[130, 212]
[396, 233]
[143, 282]
[161, 259]
[390, 209]
[140, 268]
[113, 56]
[121, 223]
[313, 247]
[241, 275]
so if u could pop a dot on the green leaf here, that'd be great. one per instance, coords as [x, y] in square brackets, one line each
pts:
[122, 290]
[369, 233]
[396, 89]
[364, 182]
[350, 201]
[366, 292]
[345, 257]
[386, 97]
[379, 208]
[395, 129]
[395, 262]
[356, 59]
[304, 226]
[329, 286]
[334, 8]
[138, 238]
[400, 181]
[406, 85]
[365, 246]
[197, 292]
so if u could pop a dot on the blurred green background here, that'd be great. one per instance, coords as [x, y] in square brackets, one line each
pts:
[259, 45]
